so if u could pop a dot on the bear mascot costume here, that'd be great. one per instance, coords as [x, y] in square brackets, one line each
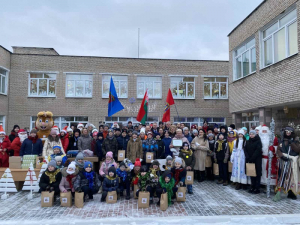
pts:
[44, 123]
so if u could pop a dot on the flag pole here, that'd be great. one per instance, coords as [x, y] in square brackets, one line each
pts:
[176, 111]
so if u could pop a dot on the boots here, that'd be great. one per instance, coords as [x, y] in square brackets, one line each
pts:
[291, 195]
[238, 186]
[225, 183]
[220, 182]
[202, 176]
[199, 176]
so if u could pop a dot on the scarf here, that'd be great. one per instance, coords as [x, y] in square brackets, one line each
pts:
[211, 141]
[220, 146]
[90, 177]
[69, 179]
[177, 173]
[153, 171]
[144, 180]
[188, 152]
[230, 141]
[169, 186]
[121, 173]
[110, 178]
[110, 138]
[33, 139]
[52, 175]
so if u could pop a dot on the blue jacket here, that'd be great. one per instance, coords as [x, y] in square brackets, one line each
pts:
[122, 142]
[30, 148]
[167, 142]
[189, 137]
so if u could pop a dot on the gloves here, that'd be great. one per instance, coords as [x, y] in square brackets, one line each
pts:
[65, 191]
[51, 189]
[284, 158]
[78, 189]
[180, 183]
[48, 188]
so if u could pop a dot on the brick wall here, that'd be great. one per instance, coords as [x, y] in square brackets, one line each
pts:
[22, 107]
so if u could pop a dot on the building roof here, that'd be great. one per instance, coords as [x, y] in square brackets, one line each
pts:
[5, 49]
[246, 17]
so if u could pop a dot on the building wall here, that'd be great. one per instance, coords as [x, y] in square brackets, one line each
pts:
[277, 84]
[4, 62]
[22, 107]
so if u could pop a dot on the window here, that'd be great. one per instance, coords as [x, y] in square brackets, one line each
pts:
[244, 62]
[121, 85]
[198, 121]
[2, 121]
[279, 40]
[153, 84]
[42, 85]
[124, 120]
[183, 87]
[215, 88]
[3, 81]
[61, 122]
[249, 120]
[79, 85]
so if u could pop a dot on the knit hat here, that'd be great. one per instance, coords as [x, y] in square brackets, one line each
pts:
[95, 133]
[124, 130]
[112, 169]
[33, 131]
[195, 131]
[167, 173]
[122, 164]
[53, 132]
[155, 162]
[245, 129]
[79, 156]
[210, 135]
[178, 160]
[58, 158]
[110, 130]
[88, 164]
[135, 132]
[69, 129]
[137, 162]
[56, 146]
[52, 163]
[73, 166]
[100, 134]
[169, 158]
[231, 132]
[241, 132]
[185, 144]
[143, 169]
[109, 154]
[252, 132]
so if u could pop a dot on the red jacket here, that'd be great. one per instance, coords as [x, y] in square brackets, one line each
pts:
[4, 154]
[16, 146]
[65, 142]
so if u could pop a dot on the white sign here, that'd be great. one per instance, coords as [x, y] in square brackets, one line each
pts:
[64, 200]
[121, 154]
[144, 200]
[46, 199]
[189, 178]
[180, 194]
[111, 197]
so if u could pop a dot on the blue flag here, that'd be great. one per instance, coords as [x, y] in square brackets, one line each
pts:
[114, 105]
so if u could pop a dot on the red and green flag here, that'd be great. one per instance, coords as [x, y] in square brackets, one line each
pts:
[143, 112]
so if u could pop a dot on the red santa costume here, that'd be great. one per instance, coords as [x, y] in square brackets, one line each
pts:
[17, 142]
[4, 148]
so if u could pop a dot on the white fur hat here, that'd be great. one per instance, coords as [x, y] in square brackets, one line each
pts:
[240, 131]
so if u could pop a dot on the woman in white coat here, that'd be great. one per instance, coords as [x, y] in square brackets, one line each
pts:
[52, 140]
[238, 161]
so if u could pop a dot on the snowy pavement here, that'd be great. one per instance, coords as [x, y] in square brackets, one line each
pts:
[209, 203]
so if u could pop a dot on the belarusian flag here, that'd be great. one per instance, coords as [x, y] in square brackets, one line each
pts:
[142, 115]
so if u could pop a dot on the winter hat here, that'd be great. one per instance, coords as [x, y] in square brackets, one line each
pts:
[53, 132]
[231, 132]
[22, 131]
[143, 169]
[245, 129]
[135, 132]
[155, 162]
[73, 166]
[122, 164]
[216, 126]
[77, 130]
[118, 129]
[178, 160]
[210, 135]
[220, 135]
[167, 173]
[52, 163]
[137, 162]
[56, 146]
[79, 156]
[112, 169]
[185, 144]
[69, 129]
[94, 130]
[65, 129]
[15, 126]
[33, 131]
[88, 164]
[95, 133]
[80, 125]
[124, 130]
[110, 130]
[149, 132]
[109, 154]
[169, 158]
[241, 132]
[195, 131]
[252, 132]
[143, 130]
[100, 134]
[58, 158]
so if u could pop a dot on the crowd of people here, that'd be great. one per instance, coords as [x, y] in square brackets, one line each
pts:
[211, 151]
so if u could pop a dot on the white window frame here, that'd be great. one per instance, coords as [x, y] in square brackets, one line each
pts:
[48, 79]
[246, 51]
[210, 82]
[153, 84]
[6, 77]
[3, 122]
[198, 121]
[271, 36]
[186, 85]
[84, 80]
[111, 120]
[114, 76]
[60, 121]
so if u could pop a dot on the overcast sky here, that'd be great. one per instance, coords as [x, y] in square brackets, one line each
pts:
[175, 29]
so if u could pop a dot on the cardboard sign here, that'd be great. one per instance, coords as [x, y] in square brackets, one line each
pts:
[164, 202]
[149, 157]
[47, 199]
[208, 162]
[121, 155]
[180, 194]
[189, 177]
[111, 197]
[250, 169]
[143, 201]
[216, 169]
[66, 199]
[79, 199]
[229, 167]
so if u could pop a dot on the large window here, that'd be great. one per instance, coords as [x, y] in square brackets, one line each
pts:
[215, 88]
[279, 40]
[153, 84]
[121, 85]
[249, 120]
[183, 87]
[79, 85]
[122, 121]
[42, 85]
[62, 121]
[2, 121]
[3, 81]
[244, 60]
[198, 121]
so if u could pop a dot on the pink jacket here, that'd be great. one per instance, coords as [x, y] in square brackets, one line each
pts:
[64, 184]
[105, 166]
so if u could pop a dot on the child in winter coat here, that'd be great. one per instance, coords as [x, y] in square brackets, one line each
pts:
[169, 161]
[122, 173]
[210, 153]
[144, 182]
[79, 161]
[149, 145]
[166, 185]
[221, 157]
[87, 181]
[160, 154]
[50, 179]
[59, 164]
[98, 149]
[68, 178]
[189, 158]
[110, 183]
[179, 173]
[109, 161]
[134, 174]
[155, 173]
[56, 152]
